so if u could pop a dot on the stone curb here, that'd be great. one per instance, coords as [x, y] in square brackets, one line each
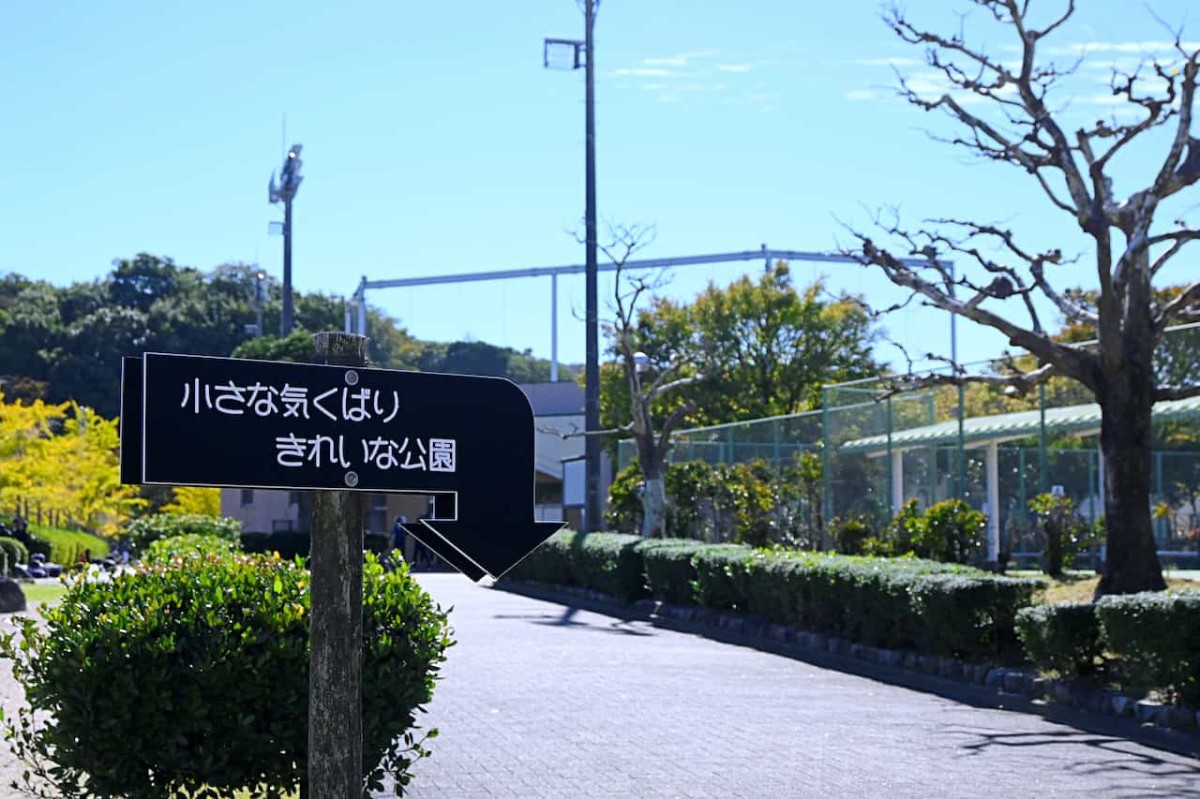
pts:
[1001, 681]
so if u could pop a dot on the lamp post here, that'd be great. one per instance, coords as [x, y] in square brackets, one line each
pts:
[285, 192]
[581, 54]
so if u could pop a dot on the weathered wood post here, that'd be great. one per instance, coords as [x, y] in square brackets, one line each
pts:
[335, 660]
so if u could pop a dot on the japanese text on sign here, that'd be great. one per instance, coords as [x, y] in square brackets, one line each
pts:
[339, 404]
[346, 404]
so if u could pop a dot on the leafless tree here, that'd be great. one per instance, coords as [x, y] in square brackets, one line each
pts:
[1001, 110]
[646, 387]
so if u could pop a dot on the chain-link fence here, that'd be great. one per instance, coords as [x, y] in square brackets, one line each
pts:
[879, 448]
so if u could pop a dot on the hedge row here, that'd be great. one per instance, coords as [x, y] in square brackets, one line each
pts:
[896, 603]
[1151, 640]
[66, 546]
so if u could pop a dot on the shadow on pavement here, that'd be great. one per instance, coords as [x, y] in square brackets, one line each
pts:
[567, 619]
[1177, 779]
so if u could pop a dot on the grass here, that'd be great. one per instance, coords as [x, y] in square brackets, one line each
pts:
[43, 592]
[1079, 587]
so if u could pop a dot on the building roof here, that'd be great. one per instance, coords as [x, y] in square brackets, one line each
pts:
[983, 430]
[564, 398]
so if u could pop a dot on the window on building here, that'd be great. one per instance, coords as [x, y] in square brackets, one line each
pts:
[247, 497]
[293, 497]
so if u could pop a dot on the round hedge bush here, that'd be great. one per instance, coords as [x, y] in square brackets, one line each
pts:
[184, 547]
[140, 533]
[191, 678]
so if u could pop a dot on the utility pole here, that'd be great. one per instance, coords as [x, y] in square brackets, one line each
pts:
[591, 400]
[582, 54]
[285, 192]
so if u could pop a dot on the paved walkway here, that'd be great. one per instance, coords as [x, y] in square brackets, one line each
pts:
[541, 700]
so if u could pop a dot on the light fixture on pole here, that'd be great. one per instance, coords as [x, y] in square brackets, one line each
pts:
[571, 54]
[285, 192]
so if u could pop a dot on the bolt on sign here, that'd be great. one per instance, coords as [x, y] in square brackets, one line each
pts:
[229, 422]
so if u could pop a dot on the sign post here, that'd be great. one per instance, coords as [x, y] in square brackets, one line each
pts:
[335, 637]
[340, 429]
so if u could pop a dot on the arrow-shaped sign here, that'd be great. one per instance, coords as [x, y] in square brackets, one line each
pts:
[467, 441]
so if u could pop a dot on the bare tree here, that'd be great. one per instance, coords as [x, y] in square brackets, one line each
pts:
[1002, 112]
[646, 386]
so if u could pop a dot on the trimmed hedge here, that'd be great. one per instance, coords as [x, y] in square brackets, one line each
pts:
[292, 544]
[14, 552]
[903, 602]
[1065, 638]
[185, 547]
[66, 546]
[1156, 636]
[141, 533]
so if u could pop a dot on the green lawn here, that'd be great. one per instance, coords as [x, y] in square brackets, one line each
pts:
[43, 592]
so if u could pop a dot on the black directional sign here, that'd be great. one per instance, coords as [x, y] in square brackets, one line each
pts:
[467, 441]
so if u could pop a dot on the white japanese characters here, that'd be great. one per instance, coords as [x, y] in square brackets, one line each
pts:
[339, 404]
[344, 404]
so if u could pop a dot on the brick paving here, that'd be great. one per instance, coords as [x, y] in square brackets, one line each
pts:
[543, 700]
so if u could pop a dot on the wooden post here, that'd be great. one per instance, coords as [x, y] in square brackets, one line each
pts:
[335, 659]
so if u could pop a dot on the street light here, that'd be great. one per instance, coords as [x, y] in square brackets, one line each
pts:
[285, 192]
[554, 55]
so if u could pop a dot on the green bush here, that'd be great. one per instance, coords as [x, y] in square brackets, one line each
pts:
[14, 553]
[549, 563]
[965, 615]
[185, 547]
[1156, 635]
[1065, 638]
[66, 546]
[951, 531]
[670, 574]
[1063, 532]
[171, 678]
[850, 534]
[141, 533]
[944, 608]
[608, 562]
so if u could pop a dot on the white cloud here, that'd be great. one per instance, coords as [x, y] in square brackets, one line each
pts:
[643, 72]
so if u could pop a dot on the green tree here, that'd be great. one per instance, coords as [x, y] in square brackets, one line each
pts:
[756, 348]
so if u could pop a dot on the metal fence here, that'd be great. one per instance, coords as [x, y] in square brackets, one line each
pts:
[870, 464]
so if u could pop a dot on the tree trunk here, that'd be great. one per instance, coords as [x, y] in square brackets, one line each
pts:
[1131, 562]
[654, 508]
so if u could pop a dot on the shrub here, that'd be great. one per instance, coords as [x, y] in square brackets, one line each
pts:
[670, 574]
[185, 547]
[850, 534]
[966, 615]
[608, 562]
[66, 546]
[141, 533]
[951, 531]
[945, 608]
[1065, 638]
[902, 530]
[1064, 534]
[14, 552]
[170, 678]
[550, 562]
[1156, 635]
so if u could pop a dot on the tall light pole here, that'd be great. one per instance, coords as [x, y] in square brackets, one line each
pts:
[285, 192]
[584, 52]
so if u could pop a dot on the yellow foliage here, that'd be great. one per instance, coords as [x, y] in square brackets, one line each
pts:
[195, 500]
[63, 458]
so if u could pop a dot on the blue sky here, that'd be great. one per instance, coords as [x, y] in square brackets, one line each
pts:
[435, 142]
